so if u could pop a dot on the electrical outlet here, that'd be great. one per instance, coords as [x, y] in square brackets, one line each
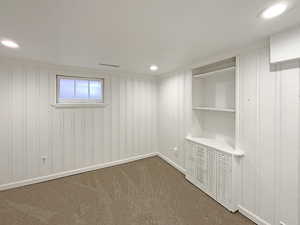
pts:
[44, 158]
[282, 223]
[175, 150]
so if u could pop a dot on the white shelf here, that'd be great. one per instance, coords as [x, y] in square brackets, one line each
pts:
[214, 109]
[216, 144]
[204, 75]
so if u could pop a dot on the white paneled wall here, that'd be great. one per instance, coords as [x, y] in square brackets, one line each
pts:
[70, 138]
[174, 109]
[269, 134]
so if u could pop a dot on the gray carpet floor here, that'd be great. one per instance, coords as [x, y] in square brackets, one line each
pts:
[144, 192]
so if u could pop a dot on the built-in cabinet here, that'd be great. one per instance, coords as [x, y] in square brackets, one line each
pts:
[211, 153]
[267, 117]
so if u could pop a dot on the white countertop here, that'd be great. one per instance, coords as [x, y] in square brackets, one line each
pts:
[216, 144]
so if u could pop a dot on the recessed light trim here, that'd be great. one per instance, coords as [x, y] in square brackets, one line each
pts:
[9, 43]
[153, 67]
[274, 10]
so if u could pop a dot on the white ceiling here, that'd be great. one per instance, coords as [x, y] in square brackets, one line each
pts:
[134, 33]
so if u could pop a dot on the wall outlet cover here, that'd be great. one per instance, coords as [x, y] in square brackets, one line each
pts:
[44, 158]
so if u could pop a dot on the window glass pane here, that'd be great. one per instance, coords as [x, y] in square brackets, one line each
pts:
[77, 90]
[66, 88]
[96, 90]
[82, 89]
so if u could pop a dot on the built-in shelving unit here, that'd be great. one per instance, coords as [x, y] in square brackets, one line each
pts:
[213, 101]
[204, 75]
[212, 157]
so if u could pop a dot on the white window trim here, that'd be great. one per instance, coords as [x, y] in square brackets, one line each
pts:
[79, 103]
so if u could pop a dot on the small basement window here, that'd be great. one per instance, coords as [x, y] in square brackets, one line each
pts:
[79, 90]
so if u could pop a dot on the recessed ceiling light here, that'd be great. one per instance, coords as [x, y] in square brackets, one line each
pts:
[274, 10]
[153, 67]
[9, 43]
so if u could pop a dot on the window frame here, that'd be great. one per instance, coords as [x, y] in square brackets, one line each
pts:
[78, 102]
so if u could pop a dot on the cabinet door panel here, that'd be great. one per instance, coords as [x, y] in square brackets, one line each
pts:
[211, 173]
[201, 165]
[224, 179]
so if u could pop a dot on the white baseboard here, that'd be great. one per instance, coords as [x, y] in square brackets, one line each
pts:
[87, 169]
[256, 219]
[72, 172]
[169, 161]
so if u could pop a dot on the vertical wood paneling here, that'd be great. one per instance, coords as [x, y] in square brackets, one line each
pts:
[56, 151]
[69, 138]
[143, 122]
[289, 146]
[78, 148]
[107, 134]
[123, 110]
[269, 134]
[83, 136]
[129, 117]
[135, 106]
[5, 166]
[89, 137]
[147, 122]
[100, 125]
[174, 114]
[248, 130]
[44, 121]
[36, 99]
[115, 131]
[19, 123]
